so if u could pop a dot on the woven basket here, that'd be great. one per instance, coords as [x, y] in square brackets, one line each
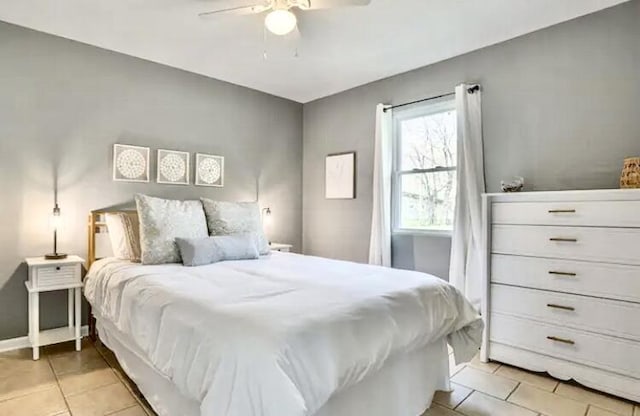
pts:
[630, 177]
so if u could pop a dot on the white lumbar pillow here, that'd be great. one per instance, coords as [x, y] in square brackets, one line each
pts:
[124, 233]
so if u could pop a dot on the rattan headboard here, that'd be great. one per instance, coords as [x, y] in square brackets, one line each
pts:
[97, 225]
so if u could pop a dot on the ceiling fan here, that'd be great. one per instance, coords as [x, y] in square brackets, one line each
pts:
[280, 20]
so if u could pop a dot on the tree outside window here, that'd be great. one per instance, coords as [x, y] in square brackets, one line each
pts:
[425, 167]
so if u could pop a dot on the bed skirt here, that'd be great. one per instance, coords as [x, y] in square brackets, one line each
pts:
[404, 386]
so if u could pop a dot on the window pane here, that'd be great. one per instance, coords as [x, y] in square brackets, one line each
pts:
[428, 141]
[427, 200]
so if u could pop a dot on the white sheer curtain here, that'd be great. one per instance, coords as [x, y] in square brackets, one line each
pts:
[380, 243]
[465, 266]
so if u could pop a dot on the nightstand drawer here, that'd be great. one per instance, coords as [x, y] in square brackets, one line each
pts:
[56, 275]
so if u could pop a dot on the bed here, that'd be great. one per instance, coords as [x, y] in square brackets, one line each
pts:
[283, 335]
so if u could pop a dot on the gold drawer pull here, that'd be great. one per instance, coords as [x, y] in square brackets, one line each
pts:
[564, 240]
[566, 308]
[562, 273]
[563, 340]
[562, 211]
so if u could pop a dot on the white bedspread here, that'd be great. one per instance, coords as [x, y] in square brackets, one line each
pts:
[280, 335]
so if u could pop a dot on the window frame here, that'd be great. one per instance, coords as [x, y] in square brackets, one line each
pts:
[398, 116]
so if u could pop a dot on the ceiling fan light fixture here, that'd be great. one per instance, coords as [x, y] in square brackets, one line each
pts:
[280, 22]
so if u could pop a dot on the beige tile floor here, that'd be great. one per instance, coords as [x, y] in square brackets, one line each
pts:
[67, 383]
[495, 389]
[91, 383]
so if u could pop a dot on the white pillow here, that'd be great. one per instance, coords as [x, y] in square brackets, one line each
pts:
[233, 218]
[124, 233]
[164, 220]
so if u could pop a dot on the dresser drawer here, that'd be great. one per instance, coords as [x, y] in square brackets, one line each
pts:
[614, 245]
[590, 314]
[584, 213]
[56, 275]
[599, 351]
[612, 281]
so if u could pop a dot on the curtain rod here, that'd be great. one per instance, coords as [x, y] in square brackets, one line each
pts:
[470, 90]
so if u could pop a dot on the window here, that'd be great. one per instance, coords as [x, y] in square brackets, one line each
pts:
[424, 174]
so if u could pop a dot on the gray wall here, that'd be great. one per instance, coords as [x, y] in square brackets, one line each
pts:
[560, 107]
[62, 107]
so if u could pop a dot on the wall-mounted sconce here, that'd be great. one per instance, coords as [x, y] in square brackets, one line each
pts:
[266, 220]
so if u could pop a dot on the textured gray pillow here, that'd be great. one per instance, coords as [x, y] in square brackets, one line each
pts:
[200, 251]
[164, 220]
[232, 218]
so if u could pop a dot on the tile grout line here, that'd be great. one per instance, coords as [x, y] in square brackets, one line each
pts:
[496, 369]
[463, 400]
[506, 399]
[471, 391]
[120, 410]
[119, 379]
[130, 390]
[80, 372]
[502, 400]
[66, 403]
[26, 394]
[42, 358]
[525, 408]
[126, 385]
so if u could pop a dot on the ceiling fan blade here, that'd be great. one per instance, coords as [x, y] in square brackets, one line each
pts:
[239, 10]
[328, 4]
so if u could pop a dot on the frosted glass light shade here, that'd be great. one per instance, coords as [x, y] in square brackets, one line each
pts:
[280, 22]
[55, 220]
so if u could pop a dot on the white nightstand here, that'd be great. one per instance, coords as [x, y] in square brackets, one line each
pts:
[285, 248]
[45, 276]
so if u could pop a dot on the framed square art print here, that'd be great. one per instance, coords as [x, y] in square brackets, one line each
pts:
[209, 170]
[173, 167]
[130, 163]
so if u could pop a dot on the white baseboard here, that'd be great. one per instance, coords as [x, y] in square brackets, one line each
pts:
[23, 342]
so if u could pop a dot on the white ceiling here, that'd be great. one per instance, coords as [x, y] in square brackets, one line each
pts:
[339, 48]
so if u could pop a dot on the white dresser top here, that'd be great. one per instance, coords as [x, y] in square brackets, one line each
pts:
[580, 195]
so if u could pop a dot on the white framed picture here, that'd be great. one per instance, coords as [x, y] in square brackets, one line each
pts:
[173, 167]
[209, 170]
[130, 163]
[340, 176]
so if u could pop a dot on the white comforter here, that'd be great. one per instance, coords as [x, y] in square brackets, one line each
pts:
[280, 335]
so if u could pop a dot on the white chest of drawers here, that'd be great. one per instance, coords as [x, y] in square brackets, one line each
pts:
[562, 280]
